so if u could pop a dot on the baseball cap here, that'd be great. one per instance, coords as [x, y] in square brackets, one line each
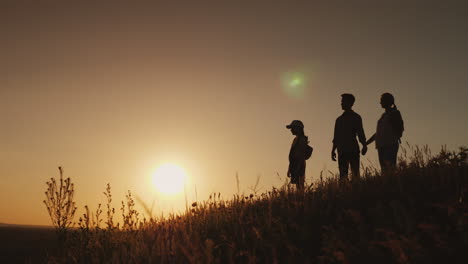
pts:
[295, 123]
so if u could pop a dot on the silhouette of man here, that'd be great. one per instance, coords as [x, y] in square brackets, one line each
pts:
[297, 154]
[347, 127]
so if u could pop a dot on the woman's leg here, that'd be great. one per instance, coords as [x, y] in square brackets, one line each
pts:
[388, 157]
[381, 151]
[393, 154]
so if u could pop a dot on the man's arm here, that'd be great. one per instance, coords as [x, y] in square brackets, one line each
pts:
[333, 152]
[361, 136]
[360, 132]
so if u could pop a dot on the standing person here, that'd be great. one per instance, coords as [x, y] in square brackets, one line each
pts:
[347, 127]
[388, 134]
[297, 154]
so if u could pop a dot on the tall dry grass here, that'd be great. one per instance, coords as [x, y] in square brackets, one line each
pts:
[416, 214]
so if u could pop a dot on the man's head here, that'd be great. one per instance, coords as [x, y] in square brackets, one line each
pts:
[297, 127]
[347, 101]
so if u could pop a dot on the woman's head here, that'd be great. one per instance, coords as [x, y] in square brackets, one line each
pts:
[387, 100]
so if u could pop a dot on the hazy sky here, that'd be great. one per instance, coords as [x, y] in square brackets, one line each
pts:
[110, 92]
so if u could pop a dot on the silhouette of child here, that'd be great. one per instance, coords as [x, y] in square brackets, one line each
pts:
[297, 154]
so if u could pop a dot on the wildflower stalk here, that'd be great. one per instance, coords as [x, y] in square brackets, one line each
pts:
[60, 202]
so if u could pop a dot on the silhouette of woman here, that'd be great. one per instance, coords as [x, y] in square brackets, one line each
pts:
[388, 134]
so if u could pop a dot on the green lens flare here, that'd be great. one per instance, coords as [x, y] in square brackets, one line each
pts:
[294, 84]
[297, 82]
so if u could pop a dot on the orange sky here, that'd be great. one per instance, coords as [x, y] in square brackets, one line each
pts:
[111, 92]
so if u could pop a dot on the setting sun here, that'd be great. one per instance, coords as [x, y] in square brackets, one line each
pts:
[169, 179]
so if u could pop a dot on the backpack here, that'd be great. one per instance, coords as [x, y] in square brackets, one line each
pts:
[308, 151]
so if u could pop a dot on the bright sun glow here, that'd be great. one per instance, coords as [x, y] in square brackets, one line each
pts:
[169, 179]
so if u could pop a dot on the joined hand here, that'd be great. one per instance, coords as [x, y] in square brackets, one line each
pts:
[364, 150]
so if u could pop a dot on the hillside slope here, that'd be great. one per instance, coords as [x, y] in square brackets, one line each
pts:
[418, 214]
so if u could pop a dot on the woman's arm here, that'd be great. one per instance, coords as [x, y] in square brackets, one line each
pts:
[371, 139]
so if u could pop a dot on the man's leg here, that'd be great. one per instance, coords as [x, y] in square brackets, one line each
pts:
[300, 183]
[354, 161]
[343, 164]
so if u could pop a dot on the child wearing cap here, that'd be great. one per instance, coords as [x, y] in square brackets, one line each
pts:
[297, 154]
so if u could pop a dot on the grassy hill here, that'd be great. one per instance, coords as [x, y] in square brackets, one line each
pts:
[418, 214]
